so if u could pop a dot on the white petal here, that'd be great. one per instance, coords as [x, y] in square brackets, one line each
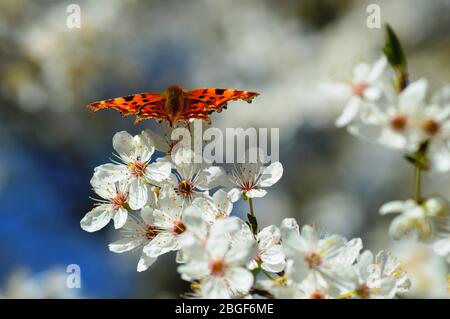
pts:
[241, 252]
[298, 270]
[125, 244]
[235, 194]
[377, 69]
[158, 171]
[193, 270]
[255, 193]
[361, 72]
[413, 96]
[268, 235]
[399, 226]
[215, 288]
[271, 174]
[161, 244]
[226, 225]
[147, 215]
[442, 247]
[211, 177]
[182, 156]
[123, 144]
[393, 139]
[97, 218]
[273, 259]
[439, 155]
[145, 261]
[442, 96]
[160, 142]
[309, 234]
[350, 112]
[120, 218]
[372, 93]
[290, 236]
[223, 201]
[109, 174]
[240, 279]
[143, 148]
[104, 190]
[138, 194]
[392, 207]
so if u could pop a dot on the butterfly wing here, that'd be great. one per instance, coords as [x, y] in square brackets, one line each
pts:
[202, 102]
[143, 105]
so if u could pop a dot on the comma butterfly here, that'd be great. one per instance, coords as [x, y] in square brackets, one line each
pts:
[175, 105]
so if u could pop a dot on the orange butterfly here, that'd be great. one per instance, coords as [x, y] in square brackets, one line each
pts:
[175, 105]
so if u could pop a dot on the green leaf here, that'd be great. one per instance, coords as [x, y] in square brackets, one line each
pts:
[394, 52]
[253, 223]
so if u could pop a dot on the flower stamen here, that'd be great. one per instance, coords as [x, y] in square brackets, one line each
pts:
[137, 168]
[217, 268]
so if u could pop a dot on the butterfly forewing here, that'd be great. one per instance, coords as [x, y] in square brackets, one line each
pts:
[143, 105]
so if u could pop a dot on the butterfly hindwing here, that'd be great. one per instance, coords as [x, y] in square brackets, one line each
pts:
[196, 109]
[215, 99]
[143, 105]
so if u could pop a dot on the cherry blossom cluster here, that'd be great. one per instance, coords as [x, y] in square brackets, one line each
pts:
[171, 203]
[403, 115]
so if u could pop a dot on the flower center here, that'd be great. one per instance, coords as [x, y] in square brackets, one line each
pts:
[120, 201]
[220, 215]
[317, 295]
[217, 268]
[186, 187]
[360, 88]
[247, 186]
[398, 122]
[363, 291]
[151, 232]
[431, 127]
[313, 259]
[137, 168]
[178, 227]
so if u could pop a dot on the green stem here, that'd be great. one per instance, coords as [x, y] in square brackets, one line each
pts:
[266, 273]
[252, 221]
[250, 203]
[417, 183]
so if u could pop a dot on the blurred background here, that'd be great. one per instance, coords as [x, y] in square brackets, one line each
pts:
[50, 142]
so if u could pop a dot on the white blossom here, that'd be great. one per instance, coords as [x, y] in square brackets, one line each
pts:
[364, 87]
[366, 284]
[420, 218]
[387, 266]
[135, 167]
[217, 264]
[324, 258]
[192, 180]
[250, 178]
[285, 287]
[407, 121]
[215, 207]
[270, 254]
[114, 205]
[157, 231]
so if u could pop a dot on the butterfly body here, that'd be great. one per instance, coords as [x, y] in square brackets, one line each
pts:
[175, 104]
